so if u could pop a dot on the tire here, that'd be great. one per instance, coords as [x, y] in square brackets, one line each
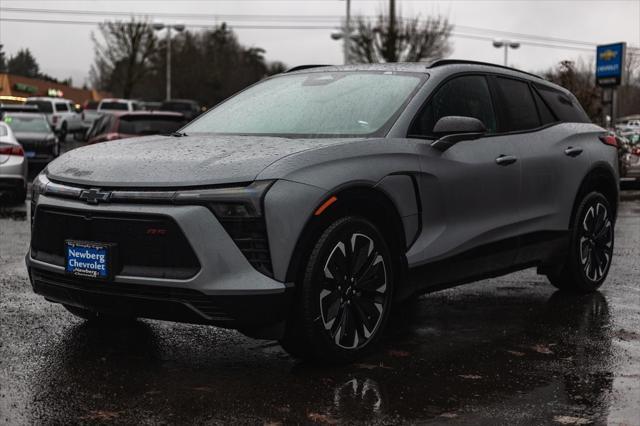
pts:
[591, 247]
[98, 317]
[338, 320]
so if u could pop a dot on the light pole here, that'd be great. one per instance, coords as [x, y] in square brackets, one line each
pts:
[506, 44]
[337, 35]
[159, 26]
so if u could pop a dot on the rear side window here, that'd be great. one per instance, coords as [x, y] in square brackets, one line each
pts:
[466, 96]
[61, 106]
[115, 106]
[43, 106]
[517, 105]
[563, 106]
[546, 116]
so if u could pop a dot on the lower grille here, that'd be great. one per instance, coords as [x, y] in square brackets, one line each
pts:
[147, 245]
[48, 283]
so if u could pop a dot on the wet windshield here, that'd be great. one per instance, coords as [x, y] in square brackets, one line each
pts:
[326, 104]
[27, 123]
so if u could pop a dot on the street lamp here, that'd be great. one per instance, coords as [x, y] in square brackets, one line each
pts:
[506, 44]
[337, 35]
[159, 26]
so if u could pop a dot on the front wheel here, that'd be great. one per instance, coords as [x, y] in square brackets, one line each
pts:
[591, 247]
[344, 298]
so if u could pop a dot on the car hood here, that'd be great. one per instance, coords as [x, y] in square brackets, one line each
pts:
[166, 161]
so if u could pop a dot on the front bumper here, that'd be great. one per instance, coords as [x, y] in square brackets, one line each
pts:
[226, 291]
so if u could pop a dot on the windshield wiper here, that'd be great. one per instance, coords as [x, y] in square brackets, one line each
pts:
[178, 134]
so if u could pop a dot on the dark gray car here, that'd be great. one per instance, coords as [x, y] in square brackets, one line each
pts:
[307, 206]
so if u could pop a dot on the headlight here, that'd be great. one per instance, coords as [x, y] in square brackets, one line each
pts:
[236, 202]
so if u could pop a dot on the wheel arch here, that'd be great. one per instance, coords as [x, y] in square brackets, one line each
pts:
[363, 200]
[600, 178]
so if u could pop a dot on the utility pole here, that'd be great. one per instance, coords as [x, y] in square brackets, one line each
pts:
[347, 35]
[391, 40]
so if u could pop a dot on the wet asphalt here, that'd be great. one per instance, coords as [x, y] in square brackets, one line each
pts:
[508, 350]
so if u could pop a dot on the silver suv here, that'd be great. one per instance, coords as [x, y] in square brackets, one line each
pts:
[305, 207]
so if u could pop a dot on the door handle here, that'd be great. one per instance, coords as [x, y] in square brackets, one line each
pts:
[505, 160]
[573, 151]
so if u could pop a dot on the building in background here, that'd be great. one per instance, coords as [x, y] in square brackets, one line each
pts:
[17, 88]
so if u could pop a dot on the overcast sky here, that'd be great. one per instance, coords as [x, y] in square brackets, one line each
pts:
[64, 50]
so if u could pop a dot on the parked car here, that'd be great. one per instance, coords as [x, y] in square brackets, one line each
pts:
[190, 109]
[629, 127]
[17, 108]
[117, 104]
[33, 132]
[13, 166]
[89, 115]
[306, 206]
[61, 115]
[110, 127]
[629, 159]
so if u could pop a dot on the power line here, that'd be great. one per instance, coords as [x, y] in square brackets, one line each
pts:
[294, 18]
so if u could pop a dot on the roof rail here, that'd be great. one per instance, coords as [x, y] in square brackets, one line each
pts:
[304, 67]
[441, 62]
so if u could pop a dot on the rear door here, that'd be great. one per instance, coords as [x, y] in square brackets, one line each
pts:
[552, 160]
[469, 192]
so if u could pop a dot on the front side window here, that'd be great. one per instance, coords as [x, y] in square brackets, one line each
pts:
[61, 106]
[466, 96]
[321, 104]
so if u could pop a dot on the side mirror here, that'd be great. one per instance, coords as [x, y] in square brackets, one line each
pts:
[453, 129]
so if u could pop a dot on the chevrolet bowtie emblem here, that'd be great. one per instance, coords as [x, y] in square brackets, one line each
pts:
[94, 196]
[608, 54]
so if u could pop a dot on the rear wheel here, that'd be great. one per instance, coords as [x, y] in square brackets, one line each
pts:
[98, 317]
[344, 299]
[591, 247]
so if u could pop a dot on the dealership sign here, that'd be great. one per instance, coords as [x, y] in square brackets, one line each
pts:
[610, 64]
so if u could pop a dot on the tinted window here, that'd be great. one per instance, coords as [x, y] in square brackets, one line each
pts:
[546, 116]
[517, 105]
[149, 125]
[43, 106]
[565, 107]
[61, 106]
[466, 96]
[314, 104]
[116, 106]
[136, 106]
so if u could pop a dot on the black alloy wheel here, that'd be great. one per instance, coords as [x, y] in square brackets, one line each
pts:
[590, 247]
[344, 297]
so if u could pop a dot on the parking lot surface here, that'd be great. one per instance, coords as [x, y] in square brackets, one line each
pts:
[509, 350]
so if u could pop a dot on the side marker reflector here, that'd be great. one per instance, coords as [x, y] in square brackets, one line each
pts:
[325, 205]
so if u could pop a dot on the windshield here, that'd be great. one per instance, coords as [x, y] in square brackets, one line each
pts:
[118, 106]
[327, 104]
[27, 123]
[149, 125]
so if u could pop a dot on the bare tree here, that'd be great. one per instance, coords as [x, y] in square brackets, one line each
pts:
[394, 39]
[122, 58]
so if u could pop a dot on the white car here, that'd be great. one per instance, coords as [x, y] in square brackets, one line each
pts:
[61, 115]
[13, 166]
[118, 104]
[630, 126]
